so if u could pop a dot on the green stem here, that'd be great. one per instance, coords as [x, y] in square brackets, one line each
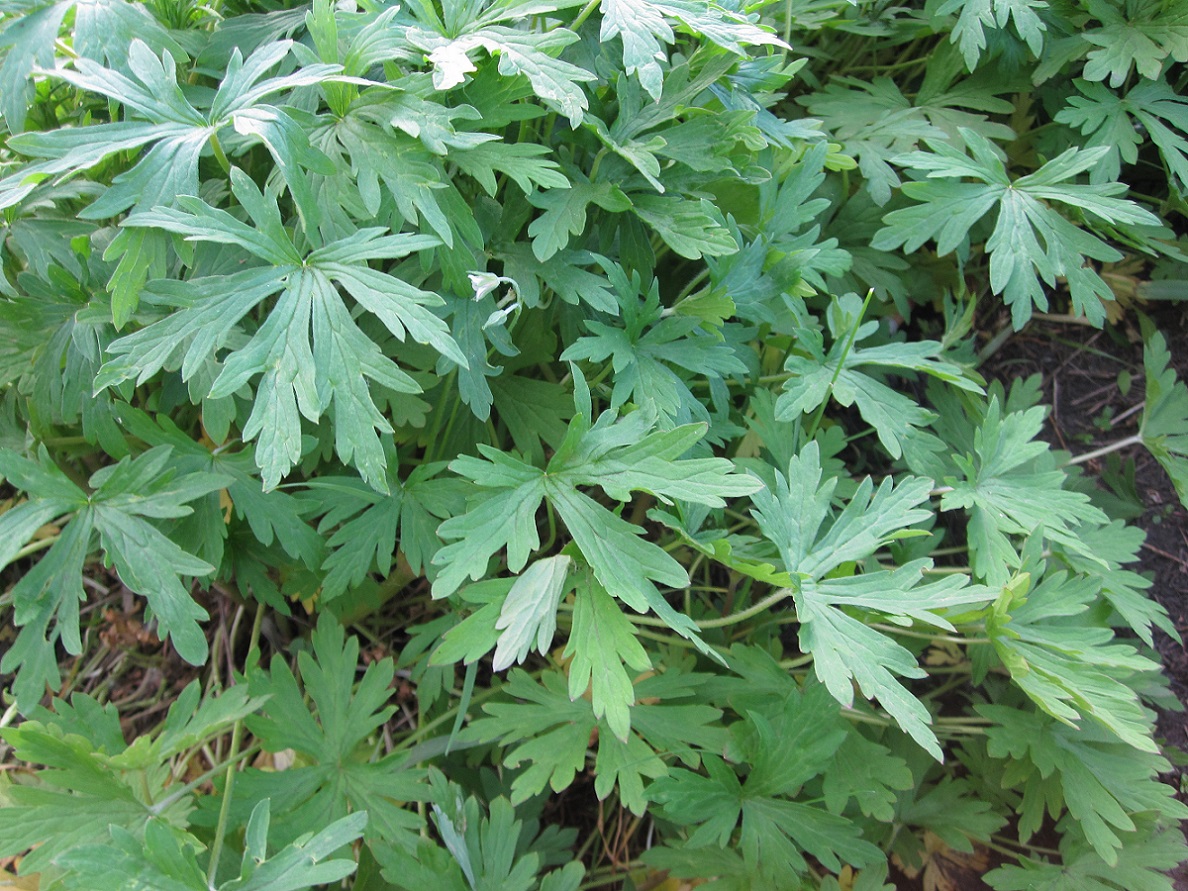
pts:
[723, 621]
[34, 546]
[217, 147]
[995, 343]
[587, 11]
[947, 570]
[693, 283]
[435, 440]
[216, 848]
[449, 715]
[841, 362]
[189, 787]
[1118, 446]
[602, 153]
[924, 635]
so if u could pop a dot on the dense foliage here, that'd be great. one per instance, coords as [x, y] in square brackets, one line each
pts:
[611, 369]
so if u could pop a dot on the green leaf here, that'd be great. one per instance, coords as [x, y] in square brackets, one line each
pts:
[299, 865]
[1143, 864]
[776, 831]
[1126, 590]
[300, 376]
[1164, 427]
[522, 164]
[868, 774]
[369, 525]
[1151, 109]
[651, 349]
[1100, 782]
[793, 515]
[545, 727]
[1069, 670]
[92, 780]
[618, 455]
[643, 25]
[493, 851]
[691, 229]
[1139, 36]
[335, 773]
[29, 41]
[179, 131]
[876, 122]
[1031, 242]
[102, 31]
[603, 645]
[565, 214]
[842, 374]
[556, 82]
[125, 498]
[999, 486]
[529, 611]
[974, 17]
[163, 862]
[553, 732]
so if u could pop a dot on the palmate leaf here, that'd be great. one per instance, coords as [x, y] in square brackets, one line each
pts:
[1069, 668]
[839, 374]
[544, 727]
[92, 780]
[275, 516]
[975, 16]
[1138, 34]
[776, 830]
[851, 766]
[552, 731]
[491, 851]
[300, 377]
[1144, 864]
[693, 229]
[603, 645]
[123, 500]
[529, 612]
[1164, 427]
[334, 773]
[602, 641]
[163, 862]
[875, 123]
[102, 32]
[1031, 242]
[57, 330]
[367, 525]
[1101, 783]
[368, 133]
[999, 488]
[565, 213]
[1152, 110]
[646, 351]
[793, 516]
[619, 455]
[565, 276]
[643, 25]
[161, 116]
[1116, 544]
[533, 54]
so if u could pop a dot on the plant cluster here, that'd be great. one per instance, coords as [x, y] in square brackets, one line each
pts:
[610, 368]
